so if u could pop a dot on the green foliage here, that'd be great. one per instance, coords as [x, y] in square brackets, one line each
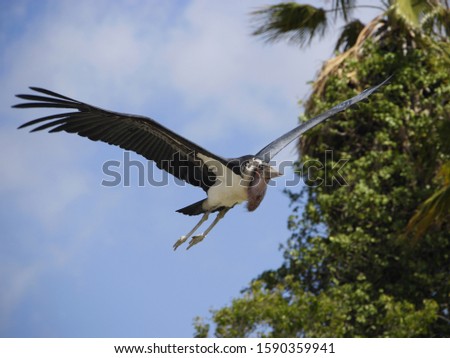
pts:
[343, 311]
[349, 268]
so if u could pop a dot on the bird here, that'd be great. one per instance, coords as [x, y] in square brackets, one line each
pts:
[226, 181]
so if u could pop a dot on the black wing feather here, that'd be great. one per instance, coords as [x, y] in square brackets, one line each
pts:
[170, 151]
[269, 151]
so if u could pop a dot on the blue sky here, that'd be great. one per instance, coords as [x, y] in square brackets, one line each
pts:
[79, 259]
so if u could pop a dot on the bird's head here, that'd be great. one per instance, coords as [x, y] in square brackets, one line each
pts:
[256, 167]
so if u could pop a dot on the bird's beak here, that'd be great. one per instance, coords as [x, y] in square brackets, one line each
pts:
[272, 173]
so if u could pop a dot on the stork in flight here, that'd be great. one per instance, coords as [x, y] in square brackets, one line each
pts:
[227, 182]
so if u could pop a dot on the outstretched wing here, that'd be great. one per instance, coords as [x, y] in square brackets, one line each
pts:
[170, 151]
[269, 151]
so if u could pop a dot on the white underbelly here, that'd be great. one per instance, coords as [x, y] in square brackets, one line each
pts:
[228, 191]
[229, 188]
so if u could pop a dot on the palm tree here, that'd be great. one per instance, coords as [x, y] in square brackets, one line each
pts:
[301, 23]
[411, 21]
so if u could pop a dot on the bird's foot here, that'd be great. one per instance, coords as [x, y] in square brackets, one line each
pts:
[179, 242]
[195, 240]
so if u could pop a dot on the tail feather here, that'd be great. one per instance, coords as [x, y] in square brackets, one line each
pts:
[193, 209]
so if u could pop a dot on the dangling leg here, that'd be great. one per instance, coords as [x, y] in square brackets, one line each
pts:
[196, 239]
[184, 238]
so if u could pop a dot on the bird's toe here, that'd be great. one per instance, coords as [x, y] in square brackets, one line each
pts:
[195, 240]
[179, 242]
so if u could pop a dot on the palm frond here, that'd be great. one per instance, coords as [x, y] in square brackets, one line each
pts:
[298, 23]
[344, 8]
[333, 65]
[413, 11]
[438, 20]
[433, 210]
[349, 35]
